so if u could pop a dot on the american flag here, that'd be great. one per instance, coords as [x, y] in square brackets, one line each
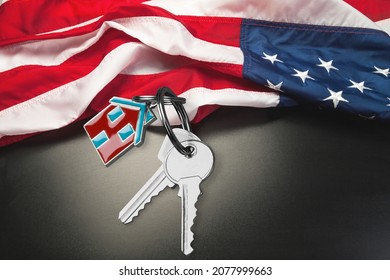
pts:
[62, 61]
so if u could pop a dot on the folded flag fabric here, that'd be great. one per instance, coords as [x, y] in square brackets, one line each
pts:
[62, 61]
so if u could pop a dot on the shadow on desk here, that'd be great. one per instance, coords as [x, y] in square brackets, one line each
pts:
[287, 184]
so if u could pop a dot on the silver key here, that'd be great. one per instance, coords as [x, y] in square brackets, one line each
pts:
[188, 173]
[156, 183]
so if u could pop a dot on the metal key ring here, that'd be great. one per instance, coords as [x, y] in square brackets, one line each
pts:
[160, 97]
[152, 100]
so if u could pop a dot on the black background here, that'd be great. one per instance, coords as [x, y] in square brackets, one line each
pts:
[287, 184]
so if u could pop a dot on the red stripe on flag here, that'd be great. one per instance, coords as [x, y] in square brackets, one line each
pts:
[218, 30]
[26, 19]
[33, 17]
[376, 10]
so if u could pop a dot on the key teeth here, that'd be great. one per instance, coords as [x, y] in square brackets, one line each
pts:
[137, 211]
[190, 249]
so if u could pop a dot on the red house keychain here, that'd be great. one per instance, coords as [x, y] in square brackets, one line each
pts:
[118, 127]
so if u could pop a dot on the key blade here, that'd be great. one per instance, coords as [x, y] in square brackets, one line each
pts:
[151, 188]
[189, 193]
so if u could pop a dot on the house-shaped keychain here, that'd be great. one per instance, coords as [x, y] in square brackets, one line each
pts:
[118, 127]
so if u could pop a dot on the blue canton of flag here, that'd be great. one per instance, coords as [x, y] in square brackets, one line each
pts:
[332, 67]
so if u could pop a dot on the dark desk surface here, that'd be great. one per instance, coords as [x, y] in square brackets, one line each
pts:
[287, 184]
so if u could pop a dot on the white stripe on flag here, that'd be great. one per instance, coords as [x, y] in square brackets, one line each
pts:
[51, 52]
[73, 26]
[200, 96]
[319, 12]
[385, 25]
[147, 60]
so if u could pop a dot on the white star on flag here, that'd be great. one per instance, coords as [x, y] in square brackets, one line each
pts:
[360, 86]
[336, 97]
[389, 100]
[272, 58]
[275, 87]
[303, 75]
[327, 65]
[384, 72]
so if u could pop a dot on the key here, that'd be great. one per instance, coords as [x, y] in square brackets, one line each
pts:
[156, 183]
[188, 173]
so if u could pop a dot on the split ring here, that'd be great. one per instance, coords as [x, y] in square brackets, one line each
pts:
[161, 96]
